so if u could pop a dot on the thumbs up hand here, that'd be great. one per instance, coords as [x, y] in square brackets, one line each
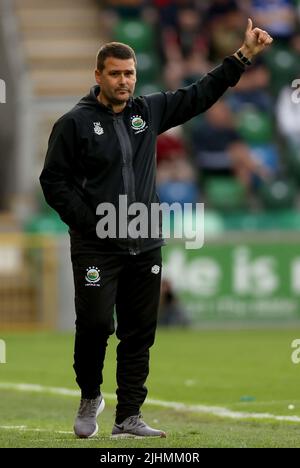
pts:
[256, 40]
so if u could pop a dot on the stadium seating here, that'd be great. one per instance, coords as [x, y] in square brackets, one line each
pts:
[45, 223]
[278, 194]
[177, 191]
[148, 67]
[283, 64]
[263, 221]
[292, 159]
[60, 41]
[136, 33]
[147, 88]
[255, 127]
[225, 193]
[269, 156]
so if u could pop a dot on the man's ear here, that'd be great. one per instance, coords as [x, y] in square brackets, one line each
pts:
[97, 76]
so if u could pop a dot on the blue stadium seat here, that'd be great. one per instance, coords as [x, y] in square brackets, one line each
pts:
[176, 191]
[268, 155]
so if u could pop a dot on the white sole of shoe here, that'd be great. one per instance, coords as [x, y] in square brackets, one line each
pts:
[127, 435]
[101, 407]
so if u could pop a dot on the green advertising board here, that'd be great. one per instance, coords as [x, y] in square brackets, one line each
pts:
[249, 280]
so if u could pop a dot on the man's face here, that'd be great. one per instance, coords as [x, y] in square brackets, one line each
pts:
[117, 80]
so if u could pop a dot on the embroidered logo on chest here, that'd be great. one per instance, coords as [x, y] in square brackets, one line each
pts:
[138, 124]
[98, 129]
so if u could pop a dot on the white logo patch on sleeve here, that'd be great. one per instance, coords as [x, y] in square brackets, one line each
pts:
[155, 269]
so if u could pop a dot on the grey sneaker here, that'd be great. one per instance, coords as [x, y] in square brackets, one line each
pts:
[134, 426]
[85, 423]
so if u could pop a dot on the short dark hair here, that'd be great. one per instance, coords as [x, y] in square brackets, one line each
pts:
[116, 50]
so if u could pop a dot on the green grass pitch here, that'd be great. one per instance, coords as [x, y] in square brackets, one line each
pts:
[243, 371]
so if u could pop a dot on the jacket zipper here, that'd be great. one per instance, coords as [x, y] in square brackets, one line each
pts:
[127, 172]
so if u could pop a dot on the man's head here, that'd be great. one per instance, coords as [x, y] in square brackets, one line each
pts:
[116, 73]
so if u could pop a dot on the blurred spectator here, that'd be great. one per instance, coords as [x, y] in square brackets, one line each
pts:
[176, 181]
[195, 66]
[185, 49]
[288, 114]
[295, 41]
[171, 145]
[171, 311]
[220, 150]
[174, 74]
[191, 36]
[225, 23]
[189, 32]
[177, 170]
[167, 10]
[218, 9]
[253, 89]
[179, 72]
[278, 17]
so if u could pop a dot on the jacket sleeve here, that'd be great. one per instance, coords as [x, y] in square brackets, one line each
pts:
[169, 109]
[57, 181]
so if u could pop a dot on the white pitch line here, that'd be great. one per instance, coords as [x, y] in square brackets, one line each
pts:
[202, 409]
[33, 429]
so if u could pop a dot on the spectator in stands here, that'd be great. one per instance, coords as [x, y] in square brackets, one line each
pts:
[176, 180]
[288, 113]
[253, 89]
[224, 20]
[167, 10]
[180, 31]
[171, 145]
[189, 32]
[278, 17]
[219, 149]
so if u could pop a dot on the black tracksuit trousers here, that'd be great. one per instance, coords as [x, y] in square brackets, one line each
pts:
[131, 283]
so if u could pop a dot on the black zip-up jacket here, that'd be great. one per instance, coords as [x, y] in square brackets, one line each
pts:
[95, 155]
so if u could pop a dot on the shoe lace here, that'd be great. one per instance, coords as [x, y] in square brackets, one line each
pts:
[136, 421]
[88, 407]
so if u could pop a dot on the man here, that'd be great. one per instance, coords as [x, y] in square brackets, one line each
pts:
[103, 148]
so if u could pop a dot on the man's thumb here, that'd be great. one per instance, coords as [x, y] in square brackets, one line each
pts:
[250, 25]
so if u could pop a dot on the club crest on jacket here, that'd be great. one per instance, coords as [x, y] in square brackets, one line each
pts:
[98, 129]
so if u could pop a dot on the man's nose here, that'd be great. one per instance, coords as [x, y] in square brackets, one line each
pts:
[122, 79]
